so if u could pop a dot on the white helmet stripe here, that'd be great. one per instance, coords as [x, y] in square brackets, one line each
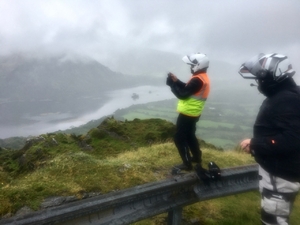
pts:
[280, 56]
[267, 63]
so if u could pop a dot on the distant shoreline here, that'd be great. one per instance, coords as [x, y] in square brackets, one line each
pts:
[39, 123]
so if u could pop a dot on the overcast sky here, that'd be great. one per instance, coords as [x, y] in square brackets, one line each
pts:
[230, 30]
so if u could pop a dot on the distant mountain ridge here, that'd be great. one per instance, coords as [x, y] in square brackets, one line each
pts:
[32, 85]
[25, 78]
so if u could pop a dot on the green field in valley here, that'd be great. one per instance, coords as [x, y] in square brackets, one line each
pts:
[221, 124]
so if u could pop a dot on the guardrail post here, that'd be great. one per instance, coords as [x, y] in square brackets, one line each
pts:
[174, 216]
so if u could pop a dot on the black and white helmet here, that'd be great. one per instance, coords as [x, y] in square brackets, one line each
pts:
[198, 61]
[273, 67]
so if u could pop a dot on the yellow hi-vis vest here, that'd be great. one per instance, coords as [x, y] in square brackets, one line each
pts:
[194, 105]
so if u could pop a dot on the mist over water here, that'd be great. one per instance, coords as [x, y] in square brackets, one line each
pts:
[117, 99]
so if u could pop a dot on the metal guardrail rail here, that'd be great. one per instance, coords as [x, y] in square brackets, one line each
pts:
[144, 201]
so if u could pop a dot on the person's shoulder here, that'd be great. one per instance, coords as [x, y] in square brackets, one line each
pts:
[196, 80]
[293, 92]
[297, 89]
[286, 99]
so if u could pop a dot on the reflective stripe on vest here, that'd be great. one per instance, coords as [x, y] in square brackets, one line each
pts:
[194, 105]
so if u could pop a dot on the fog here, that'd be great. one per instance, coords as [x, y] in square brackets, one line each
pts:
[228, 30]
[120, 34]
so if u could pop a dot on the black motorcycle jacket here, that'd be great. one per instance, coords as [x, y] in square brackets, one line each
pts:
[276, 133]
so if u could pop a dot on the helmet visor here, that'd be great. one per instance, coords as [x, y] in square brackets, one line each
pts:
[187, 59]
[249, 69]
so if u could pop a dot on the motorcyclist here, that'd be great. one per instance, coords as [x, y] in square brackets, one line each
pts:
[275, 144]
[192, 96]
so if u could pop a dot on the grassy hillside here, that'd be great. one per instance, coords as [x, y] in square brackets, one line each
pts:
[68, 164]
[114, 156]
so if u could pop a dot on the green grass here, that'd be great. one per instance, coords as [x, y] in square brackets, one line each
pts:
[75, 172]
[134, 115]
[162, 113]
[212, 124]
[114, 156]
[221, 142]
[221, 124]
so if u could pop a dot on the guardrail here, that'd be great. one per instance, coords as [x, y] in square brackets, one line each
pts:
[144, 201]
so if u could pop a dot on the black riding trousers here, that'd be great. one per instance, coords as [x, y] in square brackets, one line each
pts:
[185, 139]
